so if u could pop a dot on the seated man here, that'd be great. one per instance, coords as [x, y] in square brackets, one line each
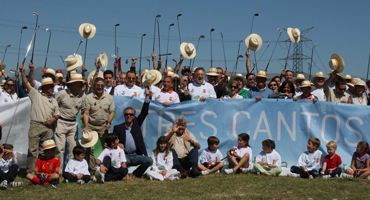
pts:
[181, 139]
[131, 138]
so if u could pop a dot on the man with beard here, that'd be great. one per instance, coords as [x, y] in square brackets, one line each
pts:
[199, 88]
[129, 89]
[166, 96]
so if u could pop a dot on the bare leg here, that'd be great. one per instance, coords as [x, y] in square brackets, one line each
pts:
[201, 167]
[30, 176]
[232, 160]
[365, 174]
[350, 172]
[217, 167]
[244, 162]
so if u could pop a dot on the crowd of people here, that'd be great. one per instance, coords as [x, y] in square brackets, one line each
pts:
[58, 99]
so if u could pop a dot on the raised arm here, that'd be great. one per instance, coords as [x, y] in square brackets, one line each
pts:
[327, 82]
[154, 60]
[30, 75]
[248, 62]
[24, 78]
[177, 68]
[133, 63]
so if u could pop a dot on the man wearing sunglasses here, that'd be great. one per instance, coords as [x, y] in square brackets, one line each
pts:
[131, 138]
[338, 94]
[129, 89]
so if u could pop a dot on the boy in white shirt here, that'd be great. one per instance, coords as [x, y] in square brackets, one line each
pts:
[268, 161]
[211, 158]
[77, 169]
[8, 167]
[309, 162]
[112, 161]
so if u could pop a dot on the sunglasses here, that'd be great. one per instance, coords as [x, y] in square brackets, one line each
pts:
[46, 76]
[10, 85]
[129, 114]
[251, 79]
[233, 86]
[273, 85]
[130, 78]
[342, 89]
[99, 85]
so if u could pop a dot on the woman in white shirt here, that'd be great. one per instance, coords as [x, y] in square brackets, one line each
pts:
[7, 93]
[359, 98]
[234, 91]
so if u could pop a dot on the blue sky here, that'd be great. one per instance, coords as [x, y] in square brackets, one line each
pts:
[339, 28]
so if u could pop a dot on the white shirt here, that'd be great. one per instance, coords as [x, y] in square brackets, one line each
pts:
[297, 93]
[152, 88]
[163, 96]
[205, 89]
[37, 85]
[236, 97]
[243, 150]
[162, 161]
[6, 97]
[6, 164]
[312, 161]
[107, 89]
[214, 156]
[356, 100]
[124, 90]
[272, 158]
[77, 167]
[59, 88]
[117, 156]
[320, 94]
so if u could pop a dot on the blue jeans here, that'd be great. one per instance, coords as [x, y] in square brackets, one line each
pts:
[143, 161]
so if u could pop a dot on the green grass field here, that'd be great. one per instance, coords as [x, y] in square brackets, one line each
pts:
[215, 186]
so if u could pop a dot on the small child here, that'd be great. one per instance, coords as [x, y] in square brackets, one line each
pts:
[268, 161]
[332, 166]
[211, 158]
[77, 169]
[8, 167]
[360, 164]
[240, 157]
[47, 166]
[162, 162]
[309, 162]
[112, 161]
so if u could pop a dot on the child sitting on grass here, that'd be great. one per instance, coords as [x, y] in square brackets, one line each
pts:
[268, 161]
[309, 162]
[360, 164]
[332, 166]
[112, 161]
[47, 166]
[211, 157]
[8, 167]
[162, 162]
[77, 169]
[240, 157]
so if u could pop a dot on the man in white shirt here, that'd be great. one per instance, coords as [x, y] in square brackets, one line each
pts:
[166, 96]
[319, 80]
[199, 88]
[129, 89]
[108, 79]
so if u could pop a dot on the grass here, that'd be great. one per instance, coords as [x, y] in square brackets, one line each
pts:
[215, 186]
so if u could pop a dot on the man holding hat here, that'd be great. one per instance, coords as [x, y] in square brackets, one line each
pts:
[44, 112]
[338, 94]
[199, 88]
[319, 80]
[70, 103]
[47, 73]
[260, 90]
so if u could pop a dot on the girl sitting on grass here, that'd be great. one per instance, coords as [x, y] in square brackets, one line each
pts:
[240, 157]
[360, 164]
[268, 161]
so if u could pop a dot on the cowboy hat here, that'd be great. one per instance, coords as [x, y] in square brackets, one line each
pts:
[48, 144]
[360, 83]
[46, 81]
[87, 30]
[73, 72]
[103, 60]
[91, 76]
[245, 81]
[76, 77]
[338, 74]
[299, 77]
[261, 73]
[306, 83]
[170, 73]
[2, 66]
[73, 62]
[144, 72]
[353, 82]
[59, 75]
[212, 72]
[348, 77]
[294, 34]
[169, 69]
[88, 139]
[50, 71]
[318, 75]
[336, 63]
[253, 42]
[188, 50]
[152, 77]
[175, 76]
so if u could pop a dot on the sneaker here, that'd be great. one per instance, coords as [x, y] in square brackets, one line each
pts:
[229, 171]
[259, 173]
[326, 176]
[217, 172]
[99, 176]
[16, 184]
[246, 170]
[206, 172]
[81, 182]
[175, 178]
[344, 175]
[291, 174]
[194, 173]
[310, 177]
[4, 185]
[368, 177]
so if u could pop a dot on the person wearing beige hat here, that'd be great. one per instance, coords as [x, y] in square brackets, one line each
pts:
[348, 78]
[260, 90]
[59, 86]
[199, 88]
[338, 94]
[46, 73]
[44, 112]
[335, 79]
[219, 85]
[306, 88]
[298, 82]
[351, 90]
[70, 103]
[360, 98]
[319, 81]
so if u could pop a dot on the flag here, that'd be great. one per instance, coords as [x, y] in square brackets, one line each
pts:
[119, 65]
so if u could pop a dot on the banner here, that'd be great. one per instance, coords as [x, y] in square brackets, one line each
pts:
[288, 123]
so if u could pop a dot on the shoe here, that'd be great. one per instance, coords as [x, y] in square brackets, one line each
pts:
[259, 173]
[151, 178]
[183, 173]
[368, 177]
[217, 172]
[291, 174]
[175, 178]
[99, 176]
[66, 181]
[310, 177]
[229, 171]
[347, 175]
[246, 170]
[194, 173]
[4, 185]
[81, 182]
[16, 184]
[326, 176]
[206, 172]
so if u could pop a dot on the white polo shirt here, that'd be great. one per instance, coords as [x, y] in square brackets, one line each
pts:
[205, 89]
[311, 160]
[208, 155]
[272, 158]
[319, 93]
[117, 156]
[236, 97]
[59, 88]
[124, 90]
[162, 96]
[6, 97]
[6, 164]
[107, 89]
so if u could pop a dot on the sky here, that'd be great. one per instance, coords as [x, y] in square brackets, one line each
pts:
[338, 28]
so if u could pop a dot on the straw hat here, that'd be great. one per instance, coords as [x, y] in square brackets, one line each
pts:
[2, 66]
[170, 73]
[175, 76]
[48, 144]
[3, 82]
[59, 75]
[73, 62]
[46, 81]
[254, 42]
[87, 30]
[353, 82]
[338, 74]
[306, 83]
[50, 71]
[103, 60]
[73, 72]
[294, 34]
[76, 78]
[238, 75]
[188, 50]
[300, 77]
[169, 69]
[318, 75]
[336, 63]
[88, 139]
[212, 72]
[91, 76]
[152, 77]
[144, 72]
[360, 83]
[261, 73]
[348, 77]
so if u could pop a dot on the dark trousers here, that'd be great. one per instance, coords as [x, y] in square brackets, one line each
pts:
[72, 179]
[10, 175]
[190, 161]
[113, 173]
[336, 171]
[302, 173]
[143, 161]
